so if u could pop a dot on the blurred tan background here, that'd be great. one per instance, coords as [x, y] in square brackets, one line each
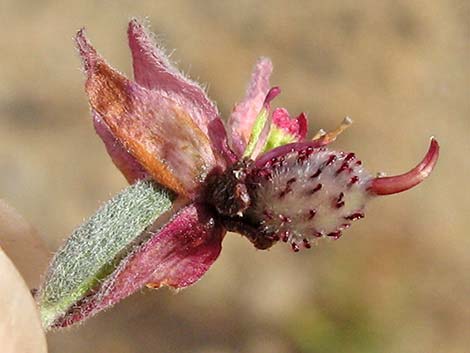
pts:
[398, 281]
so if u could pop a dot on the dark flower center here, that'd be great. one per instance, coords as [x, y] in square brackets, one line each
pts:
[228, 192]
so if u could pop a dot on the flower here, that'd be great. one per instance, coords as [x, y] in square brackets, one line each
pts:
[193, 179]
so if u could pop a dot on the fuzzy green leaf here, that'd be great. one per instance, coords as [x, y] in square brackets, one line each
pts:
[95, 249]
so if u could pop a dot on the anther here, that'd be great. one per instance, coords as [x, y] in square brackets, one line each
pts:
[288, 187]
[285, 192]
[311, 213]
[339, 200]
[335, 235]
[307, 244]
[291, 180]
[331, 160]
[354, 179]
[349, 156]
[354, 216]
[343, 167]
[284, 236]
[295, 247]
[316, 188]
[316, 174]
[268, 214]
[345, 226]
[284, 218]
[317, 234]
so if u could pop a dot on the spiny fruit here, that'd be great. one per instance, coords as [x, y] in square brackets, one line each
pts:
[301, 192]
[307, 194]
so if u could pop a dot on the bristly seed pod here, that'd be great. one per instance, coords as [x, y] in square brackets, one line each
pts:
[307, 194]
[300, 193]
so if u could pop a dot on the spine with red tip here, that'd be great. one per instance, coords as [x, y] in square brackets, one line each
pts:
[403, 182]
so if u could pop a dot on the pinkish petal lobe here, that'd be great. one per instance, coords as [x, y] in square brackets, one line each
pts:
[403, 182]
[244, 113]
[122, 159]
[272, 93]
[220, 141]
[262, 137]
[297, 128]
[177, 255]
[153, 70]
[156, 130]
[302, 123]
[261, 127]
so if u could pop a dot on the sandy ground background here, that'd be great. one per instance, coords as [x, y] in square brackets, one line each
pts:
[399, 281]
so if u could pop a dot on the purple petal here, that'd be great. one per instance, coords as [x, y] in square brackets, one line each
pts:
[153, 70]
[122, 159]
[302, 122]
[244, 113]
[176, 255]
[156, 130]
[220, 142]
[263, 136]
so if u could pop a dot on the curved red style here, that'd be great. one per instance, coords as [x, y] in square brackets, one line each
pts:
[395, 184]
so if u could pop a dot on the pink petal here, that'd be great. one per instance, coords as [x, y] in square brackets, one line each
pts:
[122, 159]
[302, 123]
[177, 255]
[153, 70]
[220, 141]
[156, 130]
[244, 113]
[263, 136]
[296, 127]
